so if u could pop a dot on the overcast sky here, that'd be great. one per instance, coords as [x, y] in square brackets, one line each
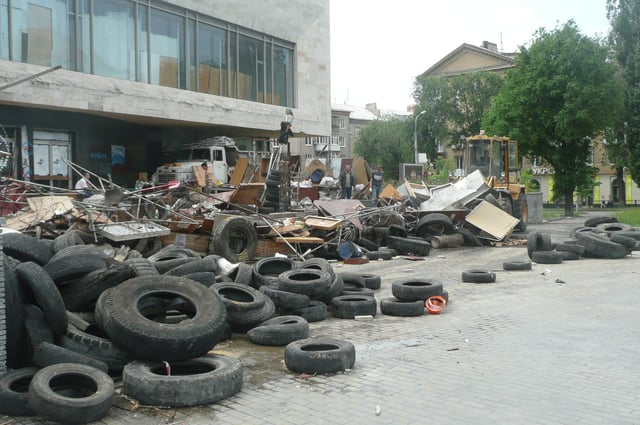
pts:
[378, 47]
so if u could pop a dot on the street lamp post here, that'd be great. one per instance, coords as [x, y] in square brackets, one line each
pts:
[415, 135]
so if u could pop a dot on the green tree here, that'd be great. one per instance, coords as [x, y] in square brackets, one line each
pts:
[624, 37]
[455, 106]
[388, 142]
[561, 95]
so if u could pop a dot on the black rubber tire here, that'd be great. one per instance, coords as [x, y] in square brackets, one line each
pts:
[609, 228]
[629, 243]
[96, 347]
[141, 266]
[316, 311]
[319, 355]
[538, 241]
[74, 250]
[165, 265]
[238, 297]
[546, 257]
[570, 247]
[353, 278]
[469, 238]
[83, 293]
[434, 224]
[67, 239]
[242, 274]
[409, 246]
[37, 282]
[397, 230]
[521, 212]
[26, 248]
[47, 354]
[350, 306]
[415, 289]
[320, 264]
[478, 276]
[516, 265]
[203, 380]
[334, 290]
[594, 221]
[93, 393]
[568, 255]
[580, 229]
[372, 281]
[14, 392]
[284, 299]
[353, 290]
[171, 252]
[121, 318]
[37, 327]
[600, 246]
[242, 321]
[65, 269]
[367, 244]
[267, 270]
[392, 306]
[206, 264]
[203, 278]
[310, 282]
[235, 239]
[378, 255]
[279, 331]
[13, 316]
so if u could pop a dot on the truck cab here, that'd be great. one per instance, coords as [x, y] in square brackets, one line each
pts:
[220, 153]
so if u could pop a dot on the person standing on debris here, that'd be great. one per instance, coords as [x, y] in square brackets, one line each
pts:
[208, 178]
[83, 185]
[347, 182]
[285, 133]
[375, 185]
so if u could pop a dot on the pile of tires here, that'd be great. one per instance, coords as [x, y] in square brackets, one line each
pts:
[271, 201]
[76, 314]
[600, 237]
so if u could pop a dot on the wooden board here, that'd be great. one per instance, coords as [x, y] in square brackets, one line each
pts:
[238, 171]
[199, 173]
[51, 204]
[390, 192]
[195, 241]
[246, 194]
[322, 223]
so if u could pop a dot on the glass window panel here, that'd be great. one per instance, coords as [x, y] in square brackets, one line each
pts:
[114, 39]
[212, 59]
[4, 30]
[167, 49]
[249, 62]
[233, 65]
[191, 42]
[282, 76]
[34, 23]
[85, 37]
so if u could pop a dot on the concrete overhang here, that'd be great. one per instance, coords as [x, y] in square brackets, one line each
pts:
[147, 104]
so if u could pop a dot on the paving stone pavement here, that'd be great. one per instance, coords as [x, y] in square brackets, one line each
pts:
[555, 345]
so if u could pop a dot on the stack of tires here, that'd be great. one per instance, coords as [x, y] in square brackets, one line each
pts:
[409, 296]
[271, 201]
[75, 314]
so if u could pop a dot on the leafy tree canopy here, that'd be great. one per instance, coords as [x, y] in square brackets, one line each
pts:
[455, 106]
[562, 93]
[387, 142]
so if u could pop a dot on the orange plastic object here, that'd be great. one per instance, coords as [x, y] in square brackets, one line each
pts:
[435, 304]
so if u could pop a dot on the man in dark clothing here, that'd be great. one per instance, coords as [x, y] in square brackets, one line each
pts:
[285, 132]
[347, 182]
[377, 178]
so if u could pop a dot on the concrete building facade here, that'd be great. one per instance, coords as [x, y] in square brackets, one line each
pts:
[140, 78]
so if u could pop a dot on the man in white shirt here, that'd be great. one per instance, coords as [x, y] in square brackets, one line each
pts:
[83, 186]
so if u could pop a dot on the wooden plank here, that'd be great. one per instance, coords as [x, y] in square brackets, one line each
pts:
[300, 239]
[195, 241]
[246, 194]
[238, 171]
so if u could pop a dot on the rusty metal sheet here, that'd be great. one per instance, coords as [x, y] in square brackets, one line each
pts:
[128, 230]
[345, 208]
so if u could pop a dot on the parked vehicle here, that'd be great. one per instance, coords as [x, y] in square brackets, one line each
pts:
[220, 153]
[498, 160]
